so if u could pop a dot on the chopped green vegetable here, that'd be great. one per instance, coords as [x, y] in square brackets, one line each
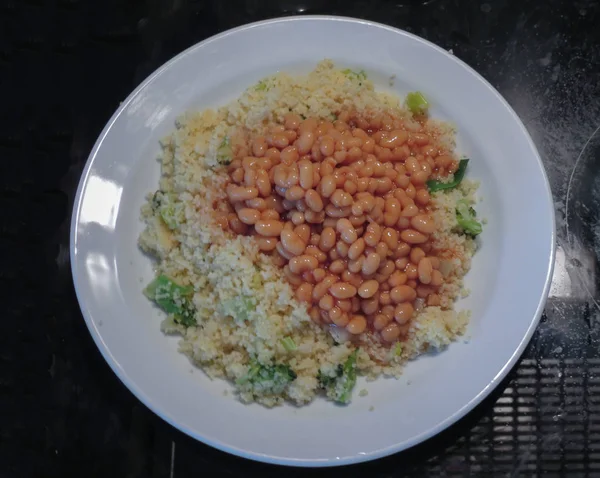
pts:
[171, 211]
[339, 386]
[289, 344]
[434, 185]
[353, 75]
[224, 152]
[239, 308]
[261, 86]
[398, 349]
[174, 299]
[465, 216]
[266, 379]
[417, 103]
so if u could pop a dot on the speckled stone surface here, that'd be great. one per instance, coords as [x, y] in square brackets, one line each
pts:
[64, 67]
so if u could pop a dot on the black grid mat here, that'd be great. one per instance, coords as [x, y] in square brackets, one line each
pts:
[64, 67]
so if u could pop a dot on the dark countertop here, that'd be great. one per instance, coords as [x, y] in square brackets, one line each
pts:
[64, 67]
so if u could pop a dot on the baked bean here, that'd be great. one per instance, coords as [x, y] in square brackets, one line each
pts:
[335, 313]
[305, 142]
[342, 248]
[411, 271]
[392, 211]
[341, 198]
[402, 293]
[303, 231]
[355, 266]
[390, 332]
[326, 302]
[327, 146]
[357, 221]
[416, 254]
[292, 121]
[297, 218]
[410, 236]
[323, 286]
[433, 300]
[263, 183]
[342, 321]
[371, 264]
[390, 237]
[425, 270]
[327, 185]
[313, 200]
[304, 292]
[357, 324]
[384, 297]
[397, 278]
[382, 249]
[294, 193]
[303, 263]
[380, 321]
[283, 252]
[369, 306]
[350, 187]
[346, 231]
[266, 244]
[305, 169]
[292, 242]
[313, 217]
[269, 228]
[373, 234]
[293, 279]
[337, 267]
[410, 211]
[319, 274]
[422, 198]
[356, 249]
[317, 253]
[337, 212]
[403, 313]
[436, 278]
[342, 290]
[248, 216]
[368, 289]
[420, 139]
[241, 193]
[289, 154]
[423, 223]
[328, 239]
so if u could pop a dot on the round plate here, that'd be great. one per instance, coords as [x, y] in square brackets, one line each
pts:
[509, 279]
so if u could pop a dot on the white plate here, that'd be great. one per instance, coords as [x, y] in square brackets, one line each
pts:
[509, 279]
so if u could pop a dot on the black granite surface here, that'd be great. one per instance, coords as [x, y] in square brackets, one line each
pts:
[64, 67]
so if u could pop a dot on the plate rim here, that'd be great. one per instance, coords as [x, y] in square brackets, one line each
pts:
[261, 457]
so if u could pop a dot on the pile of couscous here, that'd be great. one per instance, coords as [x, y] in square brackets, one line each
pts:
[312, 230]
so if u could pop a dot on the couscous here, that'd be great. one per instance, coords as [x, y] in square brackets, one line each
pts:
[312, 230]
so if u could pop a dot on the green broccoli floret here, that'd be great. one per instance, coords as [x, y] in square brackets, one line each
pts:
[339, 385]
[225, 152]
[266, 379]
[465, 216]
[289, 344]
[239, 307]
[174, 299]
[417, 103]
[434, 185]
[171, 211]
[359, 76]
[261, 86]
